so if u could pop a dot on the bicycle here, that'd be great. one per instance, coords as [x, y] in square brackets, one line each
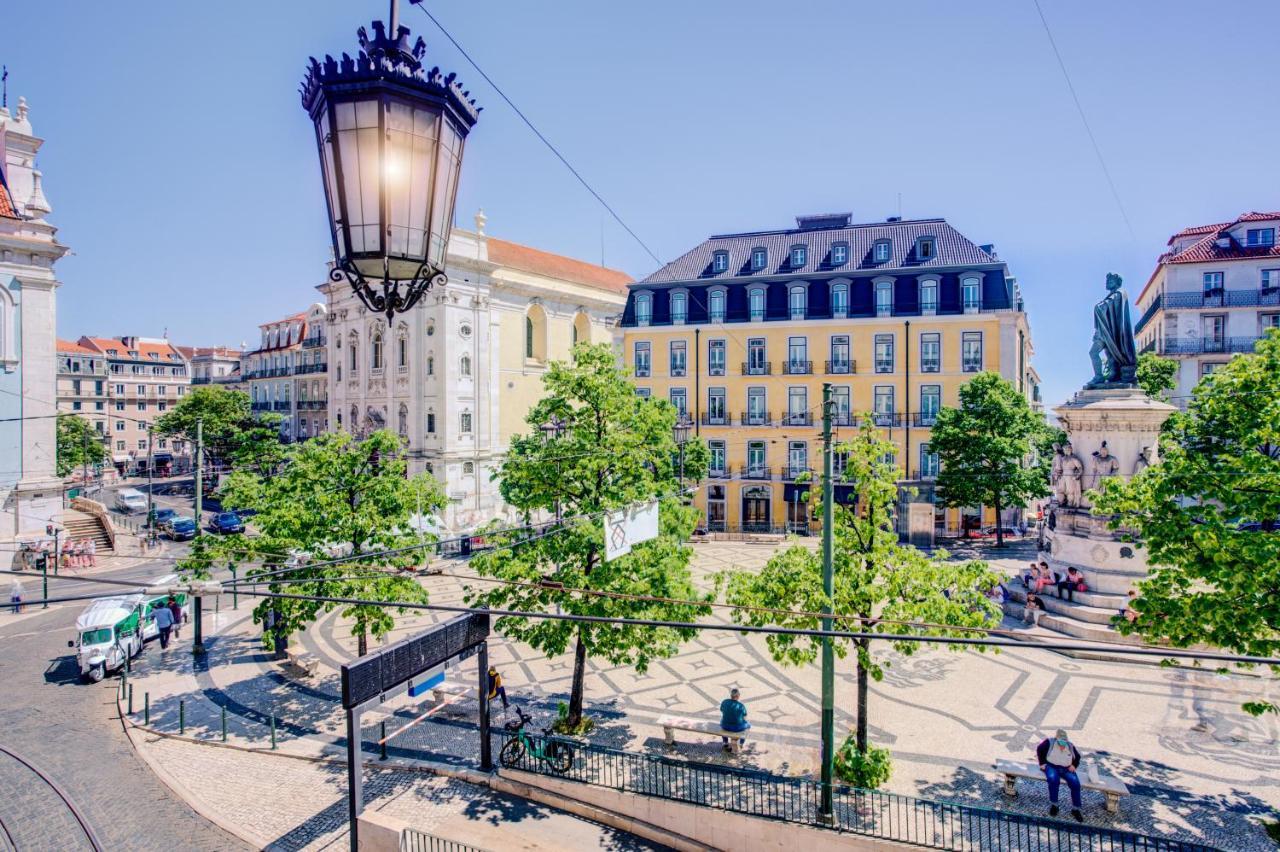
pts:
[555, 752]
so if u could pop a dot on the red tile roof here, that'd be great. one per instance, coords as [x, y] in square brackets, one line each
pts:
[73, 348]
[142, 347]
[1206, 248]
[7, 210]
[540, 262]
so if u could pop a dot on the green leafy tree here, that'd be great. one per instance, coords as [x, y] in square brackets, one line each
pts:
[232, 434]
[334, 497]
[879, 583]
[986, 448]
[78, 444]
[1209, 515]
[1156, 375]
[614, 450]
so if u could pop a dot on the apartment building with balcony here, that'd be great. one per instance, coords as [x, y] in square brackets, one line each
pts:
[1212, 295]
[741, 332]
[145, 376]
[215, 365]
[287, 373]
[83, 387]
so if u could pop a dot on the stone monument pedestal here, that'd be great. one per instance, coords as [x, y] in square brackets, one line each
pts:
[1112, 432]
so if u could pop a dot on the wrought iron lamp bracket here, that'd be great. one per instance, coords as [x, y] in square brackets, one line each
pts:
[391, 295]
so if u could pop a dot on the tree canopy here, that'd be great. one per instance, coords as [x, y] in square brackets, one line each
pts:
[1156, 375]
[231, 431]
[613, 449]
[1209, 515]
[78, 444]
[879, 581]
[987, 448]
[333, 497]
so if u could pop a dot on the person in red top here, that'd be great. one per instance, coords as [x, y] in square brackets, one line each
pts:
[1059, 759]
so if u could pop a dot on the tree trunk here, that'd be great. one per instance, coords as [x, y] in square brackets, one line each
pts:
[999, 523]
[362, 641]
[579, 676]
[863, 677]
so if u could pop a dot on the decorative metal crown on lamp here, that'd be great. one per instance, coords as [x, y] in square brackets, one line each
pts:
[390, 136]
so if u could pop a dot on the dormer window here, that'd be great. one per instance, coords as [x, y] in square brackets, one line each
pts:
[679, 308]
[153, 356]
[1256, 237]
[799, 256]
[720, 261]
[133, 353]
[715, 305]
[644, 309]
[880, 252]
[112, 352]
[926, 248]
[759, 258]
[797, 301]
[839, 301]
[839, 254]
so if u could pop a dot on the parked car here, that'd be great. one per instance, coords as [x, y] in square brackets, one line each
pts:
[181, 529]
[163, 516]
[990, 532]
[227, 522]
[130, 500]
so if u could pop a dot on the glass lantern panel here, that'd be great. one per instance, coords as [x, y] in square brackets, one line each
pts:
[326, 165]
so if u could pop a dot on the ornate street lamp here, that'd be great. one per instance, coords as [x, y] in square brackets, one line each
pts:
[680, 432]
[390, 136]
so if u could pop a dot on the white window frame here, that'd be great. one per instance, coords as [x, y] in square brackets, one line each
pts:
[673, 370]
[798, 256]
[682, 298]
[929, 284]
[798, 293]
[718, 294]
[881, 251]
[717, 345]
[839, 254]
[841, 289]
[647, 348]
[759, 258]
[720, 261]
[883, 307]
[967, 365]
[974, 305]
[764, 304]
[644, 317]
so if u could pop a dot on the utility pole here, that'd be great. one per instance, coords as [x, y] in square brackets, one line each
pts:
[151, 508]
[84, 463]
[826, 811]
[197, 644]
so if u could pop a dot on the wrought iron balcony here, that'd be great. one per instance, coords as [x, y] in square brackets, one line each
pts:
[846, 367]
[719, 473]
[886, 419]
[798, 418]
[924, 418]
[312, 368]
[282, 405]
[756, 472]
[759, 368]
[753, 418]
[716, 419]
[1204, 345]
[794, 472]
[797, 368]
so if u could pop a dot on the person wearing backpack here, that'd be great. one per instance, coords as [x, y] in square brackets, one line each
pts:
[1072, 583]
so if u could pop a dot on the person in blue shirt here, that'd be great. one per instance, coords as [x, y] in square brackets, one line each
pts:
[163, 618]
[733, 715]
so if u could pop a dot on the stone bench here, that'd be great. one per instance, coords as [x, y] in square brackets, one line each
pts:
[1091, 778]
[670, 724]
[304, 662]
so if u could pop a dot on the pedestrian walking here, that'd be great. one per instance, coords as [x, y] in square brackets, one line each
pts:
[93, 553]
[1059, 759]
[15, 595]
[163, 617]
[496, 689]
[733, 715]
[176, 610]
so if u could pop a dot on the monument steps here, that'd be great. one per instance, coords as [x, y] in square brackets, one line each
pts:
[1088, 606]
[1063, 625]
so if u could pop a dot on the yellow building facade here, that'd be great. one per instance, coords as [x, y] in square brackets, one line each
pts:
[742, 333]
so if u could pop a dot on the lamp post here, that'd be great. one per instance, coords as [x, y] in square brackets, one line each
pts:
[390, 135]
[552, 430]
[680, 432]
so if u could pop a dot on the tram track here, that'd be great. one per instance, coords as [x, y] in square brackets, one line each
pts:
[70, 806]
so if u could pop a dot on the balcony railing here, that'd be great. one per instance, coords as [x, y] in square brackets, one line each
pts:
[886, 419]
[842, 368]
[759, 368]
[797, 368]
[843, 418]
[716, 419]
[719, 473]
[753, 418]
[1218, 298]
[798, 418]
[794, 472]
[313, 404]
[282, 405]
[924, 418]
[314, 341]
[260, 406]
[756, 472]
[312, 368]
[1203, 345]
[884, 365]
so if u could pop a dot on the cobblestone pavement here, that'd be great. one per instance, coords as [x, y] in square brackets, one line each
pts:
[1198, 766]
[68, 730]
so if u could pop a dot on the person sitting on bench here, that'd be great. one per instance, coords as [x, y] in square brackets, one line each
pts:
[733, 715]
[1059, 758]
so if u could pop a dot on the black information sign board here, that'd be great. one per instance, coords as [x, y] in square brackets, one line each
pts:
[388, 667]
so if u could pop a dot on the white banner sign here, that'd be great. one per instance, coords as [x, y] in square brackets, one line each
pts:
[629, 526]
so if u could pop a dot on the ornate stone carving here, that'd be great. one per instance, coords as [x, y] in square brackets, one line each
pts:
[1144, 460]
[1072, 479]
[1104, 465]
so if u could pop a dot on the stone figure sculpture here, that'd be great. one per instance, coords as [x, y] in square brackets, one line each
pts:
[1143, 462]
[1114, 353]
[1104, 465]
[1072, 481]
[1055, 473]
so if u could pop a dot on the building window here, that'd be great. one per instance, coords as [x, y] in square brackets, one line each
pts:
[797, 355]
[755, 302]
[839, 254]
[797, 405]
[716, 407]
[431, 422]
[160, 444]
[402, 352]
[839, 301]
[797, 459]
[680, 399]
[716, 467]
[75, 406]
[971, 352]
[884, 298]
[884, 353]
[679, 358]
[431, 365]
[797, 302]
[1270, 279]
[715, 305]
[930, 352]
[642, 363]
[142, 405]
[679, 308]
[161, 390]
[880, 252]
[926, 248]
[1260, 237]
[1208, 368]
[119, 445]
[643, 393]
[352, 357]
[929, 296]
[715, 358]
[120, 405]
[161, 406]
[142, 390]
[468, 468]
[843, 399]
[464, 365]
[840, 358]
[720, 261]
[464, 423]
[1268, 322]
[759, 259]
[755, 458]
[376, 352]
[928, 463]
[882, 405]
[142, 443]
[971, 293]
[930, 402]
[1212, 282]
[757, 413]
[757, 357]
[644, 309]
[799, 256]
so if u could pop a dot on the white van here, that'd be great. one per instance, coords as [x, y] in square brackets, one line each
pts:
[108, 632]
[130, 500]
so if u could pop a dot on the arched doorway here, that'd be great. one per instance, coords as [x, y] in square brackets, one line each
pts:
[757, 514]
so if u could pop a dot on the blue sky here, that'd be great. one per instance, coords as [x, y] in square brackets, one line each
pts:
[182, 169]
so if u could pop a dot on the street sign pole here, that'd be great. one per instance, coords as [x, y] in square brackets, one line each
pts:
[197, 644]
[826, 811]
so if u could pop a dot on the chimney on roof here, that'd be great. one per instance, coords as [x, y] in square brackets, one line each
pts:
[894, 219]
[824, 221]
[1223, 241]
[989, 248]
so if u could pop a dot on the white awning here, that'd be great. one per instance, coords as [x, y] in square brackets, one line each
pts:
[121, 458]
